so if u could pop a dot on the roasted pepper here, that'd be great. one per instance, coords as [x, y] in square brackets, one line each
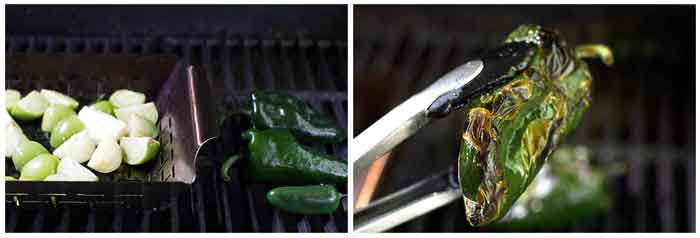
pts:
[566, 190]
[511, 130]
[308, 200]
[277, 157]
[278, 110]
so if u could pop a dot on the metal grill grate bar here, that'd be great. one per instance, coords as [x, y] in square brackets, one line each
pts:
[690, 170]
[118, 219]
[665, 168]
[64, 222]
[635, 184]
[38, 221]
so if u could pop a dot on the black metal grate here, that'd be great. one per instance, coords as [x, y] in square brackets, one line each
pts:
[634, 119]
[314, 70]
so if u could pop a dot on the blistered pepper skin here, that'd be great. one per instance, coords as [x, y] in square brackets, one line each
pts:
[511, 130]
[307, 200]
[278, 110]
[567, 190]
[277, 157]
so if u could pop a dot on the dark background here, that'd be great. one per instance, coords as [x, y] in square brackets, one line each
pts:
[642, 114]
[322, 22]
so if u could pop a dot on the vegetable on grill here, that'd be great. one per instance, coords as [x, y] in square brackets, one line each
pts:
[107, 156]
[79, 148]
[11, 98]
[278, 110]
[308, 200]
[125, 98]
[71, 170]
[102, 125]
[25, 152]
[103, 106]
[56, 98]
[277, 157]
[91, 135]
[13, 134]
[567, 190]
[30, 107]
[66, 128]
[274, 153]
[148, 111]
[140, 127]
[139, 150]
[511, 130]
[53, 115]
[39, 167]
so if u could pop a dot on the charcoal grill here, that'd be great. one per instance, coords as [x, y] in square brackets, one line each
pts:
[234, 66]
[634, 120]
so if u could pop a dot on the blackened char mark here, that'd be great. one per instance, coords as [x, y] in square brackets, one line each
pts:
[500, 65]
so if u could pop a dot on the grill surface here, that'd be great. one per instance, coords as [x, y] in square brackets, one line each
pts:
[314, 70]
[642, 114]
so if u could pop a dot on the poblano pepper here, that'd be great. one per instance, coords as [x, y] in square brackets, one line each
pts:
[278, 110]
[308, 200]
[511, 130]
[567, 190]
[277, 157]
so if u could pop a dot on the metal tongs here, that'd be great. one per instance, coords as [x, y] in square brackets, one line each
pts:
[447, 94]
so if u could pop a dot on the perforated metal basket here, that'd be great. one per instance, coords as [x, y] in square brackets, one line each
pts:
[186, 126]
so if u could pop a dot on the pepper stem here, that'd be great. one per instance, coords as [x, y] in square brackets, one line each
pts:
[595, 51]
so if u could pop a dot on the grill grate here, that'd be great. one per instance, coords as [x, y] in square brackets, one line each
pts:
[314, 70]
[647, 129]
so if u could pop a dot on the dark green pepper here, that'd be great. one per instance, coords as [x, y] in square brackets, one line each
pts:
[566, 190]
[277, 157]
[511, 130]
[278, 110]
[307, 200]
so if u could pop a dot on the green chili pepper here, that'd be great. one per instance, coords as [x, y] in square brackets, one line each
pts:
[277, 157]
[566, 190]
[277, 110]
[308, 200]
[511, 130]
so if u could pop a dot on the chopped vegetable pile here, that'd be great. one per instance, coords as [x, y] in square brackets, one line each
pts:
[102, 134]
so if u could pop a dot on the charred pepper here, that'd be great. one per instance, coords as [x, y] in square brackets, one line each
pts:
[511, 130]
[278, 110]
[566, 190]
[277, 157]
[308, 200]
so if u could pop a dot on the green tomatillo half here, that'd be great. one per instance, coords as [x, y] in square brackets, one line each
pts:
[511, 130]
[39, 168]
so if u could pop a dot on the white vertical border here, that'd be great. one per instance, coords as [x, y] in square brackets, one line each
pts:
[2, 128]
[697, 106]
[350, 133]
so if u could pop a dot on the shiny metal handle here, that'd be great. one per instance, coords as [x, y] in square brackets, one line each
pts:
[406, 119]
[408, 203]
